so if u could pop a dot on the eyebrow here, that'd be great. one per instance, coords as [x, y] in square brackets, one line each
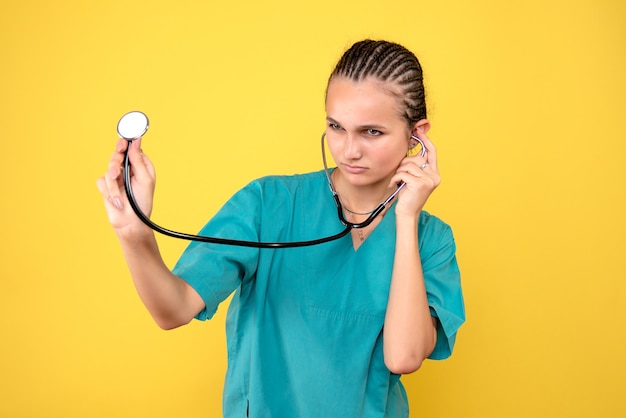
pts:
[368, 126]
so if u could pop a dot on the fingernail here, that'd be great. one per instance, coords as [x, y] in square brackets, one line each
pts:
[117, 202]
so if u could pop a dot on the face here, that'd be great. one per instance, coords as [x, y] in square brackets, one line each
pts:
[366, 135]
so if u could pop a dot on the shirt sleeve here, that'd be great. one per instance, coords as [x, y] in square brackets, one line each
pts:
[443, 284]
[213, 270]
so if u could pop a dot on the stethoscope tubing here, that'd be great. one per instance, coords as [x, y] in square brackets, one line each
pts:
[349, 226]
[215, 240]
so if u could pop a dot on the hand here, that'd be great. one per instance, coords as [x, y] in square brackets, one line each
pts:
[111, 186]
[421, 177]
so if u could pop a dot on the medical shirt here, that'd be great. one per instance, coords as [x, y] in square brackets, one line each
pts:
[305, 325]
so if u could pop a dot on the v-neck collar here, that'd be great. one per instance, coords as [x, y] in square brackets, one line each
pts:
[381, 227]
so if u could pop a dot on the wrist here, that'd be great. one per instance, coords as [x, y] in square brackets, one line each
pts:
[135, 235]
[407, 218]
[406, 226]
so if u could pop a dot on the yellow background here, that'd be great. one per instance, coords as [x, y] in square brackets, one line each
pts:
[527, 102]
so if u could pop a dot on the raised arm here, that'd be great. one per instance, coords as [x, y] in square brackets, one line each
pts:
[168, 298]
[410, 332]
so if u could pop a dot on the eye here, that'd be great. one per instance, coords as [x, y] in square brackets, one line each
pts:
[334, 126]
[374, 132]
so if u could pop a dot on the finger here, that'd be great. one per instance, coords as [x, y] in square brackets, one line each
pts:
[110, 184]
[413, 164]
[115, 166]
[117, 158]
[113, 192]
[405, 175]
[416, 178]
[414, 169]
[142, 166]
[109, 201]
[121, 145]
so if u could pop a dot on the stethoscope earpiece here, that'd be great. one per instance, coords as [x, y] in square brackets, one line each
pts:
[418, 141]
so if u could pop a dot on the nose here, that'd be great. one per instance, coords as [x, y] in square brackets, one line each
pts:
[352, 148]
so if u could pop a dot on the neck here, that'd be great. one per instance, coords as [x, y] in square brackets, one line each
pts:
[360, 200]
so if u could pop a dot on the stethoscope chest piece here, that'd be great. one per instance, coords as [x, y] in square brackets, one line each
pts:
[132, 125]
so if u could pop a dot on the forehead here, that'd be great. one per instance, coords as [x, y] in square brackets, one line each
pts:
[368, 99]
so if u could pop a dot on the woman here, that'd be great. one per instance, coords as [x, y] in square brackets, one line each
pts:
[327, 330]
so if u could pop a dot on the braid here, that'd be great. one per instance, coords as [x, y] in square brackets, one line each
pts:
[390, 63]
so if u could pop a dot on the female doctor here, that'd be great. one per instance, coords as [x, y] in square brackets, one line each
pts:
[325, 330]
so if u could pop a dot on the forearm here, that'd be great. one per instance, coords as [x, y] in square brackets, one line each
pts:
[168, 298]
[409, 333]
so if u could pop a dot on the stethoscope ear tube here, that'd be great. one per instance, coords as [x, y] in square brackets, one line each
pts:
[418, 140]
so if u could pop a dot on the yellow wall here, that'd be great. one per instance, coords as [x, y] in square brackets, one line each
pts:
[527, 102]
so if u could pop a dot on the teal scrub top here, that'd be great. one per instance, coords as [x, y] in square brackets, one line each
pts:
[305, 325]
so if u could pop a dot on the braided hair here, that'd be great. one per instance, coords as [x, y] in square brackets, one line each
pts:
[392, 64]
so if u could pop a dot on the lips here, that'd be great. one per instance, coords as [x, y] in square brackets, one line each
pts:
[353, 169]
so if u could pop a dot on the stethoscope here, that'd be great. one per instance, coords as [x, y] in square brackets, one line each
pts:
[134, 125]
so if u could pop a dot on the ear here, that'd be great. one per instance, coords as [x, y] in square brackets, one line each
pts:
[422, 126]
